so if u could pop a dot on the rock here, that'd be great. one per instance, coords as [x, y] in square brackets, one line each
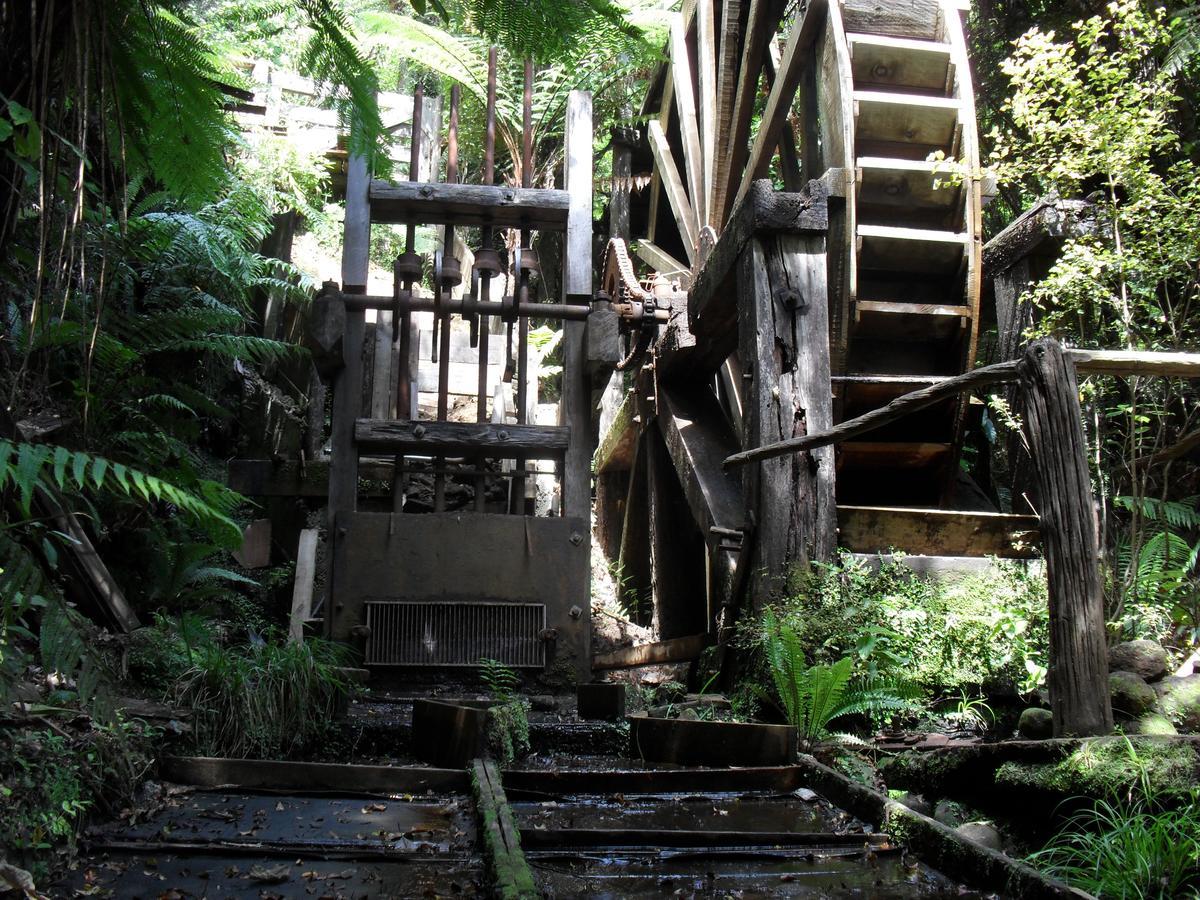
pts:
[544, 703]
[981, 833]
[1179, 700]
[689, 715]
[1035, 724]
[916, 803]
[1131, 696]
[1144, 658]
[950, 813]
[1154, 723]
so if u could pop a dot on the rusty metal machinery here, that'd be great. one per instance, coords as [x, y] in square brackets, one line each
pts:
[641, 308]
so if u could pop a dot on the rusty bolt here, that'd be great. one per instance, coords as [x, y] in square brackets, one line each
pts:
[576, 538]
[419, 432]
[427, 191]
[341, 532]
[503, 434]
[576, 612]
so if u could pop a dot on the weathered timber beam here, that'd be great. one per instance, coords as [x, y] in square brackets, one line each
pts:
[212, 772]
[713, 299]
[936, 532]
[698, 437]
[898, 408]
[1049, 220]
[675, 650]
[467, 204]
[540, 782]
[1135, 362]
[1087, 362]
[540, 837]
[449, 438]
[783, 89]
[1077, 673]
[615, 452]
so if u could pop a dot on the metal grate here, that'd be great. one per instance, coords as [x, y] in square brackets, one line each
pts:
[454, 634]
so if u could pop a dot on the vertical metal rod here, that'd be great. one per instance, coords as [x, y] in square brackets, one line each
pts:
[402, 324]
[522, 288]
[443, 403]
[485, 279]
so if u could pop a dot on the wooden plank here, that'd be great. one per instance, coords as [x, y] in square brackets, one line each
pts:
[462, 377]
[689, 129]
[460, 348]
[936, 532]
[727, 79]
[1135, 362]
[302, 585]
[618, 441]
[540, 782]
[500, 836]
[894, 63]
[891, 249]
[457, 438]
[394, 203]
[908, 189]
[575, 405]
[672, 184]
[675, 650]
[898, 18]
[760, 29]
[908, 321]
[779, 101]
[706, 62]
[906, 119]
[255, 550]
[1053, 423]
[547, 838]
[699, 438]
[663, 263]
[215, 772]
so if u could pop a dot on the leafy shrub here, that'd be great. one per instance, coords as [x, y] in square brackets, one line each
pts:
[984, 628]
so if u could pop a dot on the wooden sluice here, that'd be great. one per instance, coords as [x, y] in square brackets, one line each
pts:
[480, 574]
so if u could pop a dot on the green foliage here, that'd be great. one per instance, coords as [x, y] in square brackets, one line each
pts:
[35, 468]
[1130, 847]
[814, 696]
[49, 781]
[944, 635]
[502, 683]
[1156, 576]
[262, 699]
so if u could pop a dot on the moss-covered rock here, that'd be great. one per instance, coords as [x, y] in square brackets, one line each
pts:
[1143, 658]
[951, 813]
[982, 833]
[508, 731]
[1109, 768]
[1154, 723]
[1035, 724]
[1179, 700]
[1131, 696]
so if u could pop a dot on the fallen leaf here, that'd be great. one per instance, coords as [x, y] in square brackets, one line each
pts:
[273, 875]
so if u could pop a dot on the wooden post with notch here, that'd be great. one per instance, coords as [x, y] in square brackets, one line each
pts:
[1053, 422]
[783, 329]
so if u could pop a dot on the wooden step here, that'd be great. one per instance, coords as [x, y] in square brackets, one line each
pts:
[907, 192]
[936, 532]
[905, 125]
[909, 321]
[919, 19]
[882, 62]
[892, 249]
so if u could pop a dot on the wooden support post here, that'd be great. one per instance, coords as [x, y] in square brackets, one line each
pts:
[577, 288]
[784, 350]
[1078, 676]
[347, 383]
[302, 589]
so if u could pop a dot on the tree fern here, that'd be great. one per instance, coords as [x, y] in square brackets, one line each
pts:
[30, 468]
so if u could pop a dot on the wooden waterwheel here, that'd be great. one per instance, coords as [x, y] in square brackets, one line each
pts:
[863, 96]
